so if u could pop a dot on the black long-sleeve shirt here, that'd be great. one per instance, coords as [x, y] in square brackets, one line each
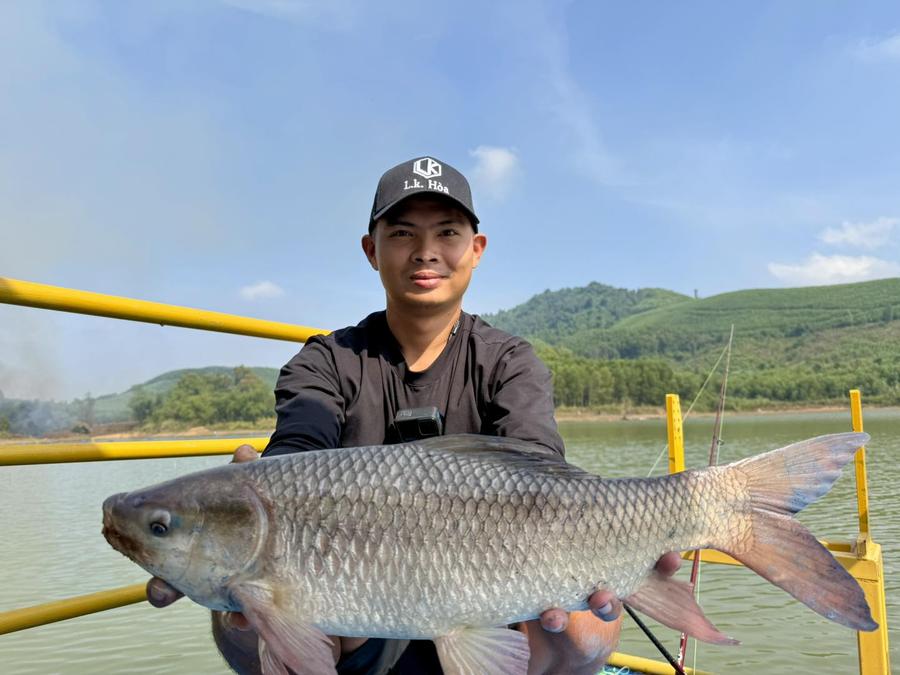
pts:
[344, 389]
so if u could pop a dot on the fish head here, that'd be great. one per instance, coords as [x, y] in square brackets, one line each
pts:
[196, 533]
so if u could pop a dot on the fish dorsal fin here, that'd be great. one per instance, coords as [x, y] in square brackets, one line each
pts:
[507, 451]
[484, 443]
[483, 651]
[284, 640]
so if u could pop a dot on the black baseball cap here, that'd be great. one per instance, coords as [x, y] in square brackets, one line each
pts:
[422, 175]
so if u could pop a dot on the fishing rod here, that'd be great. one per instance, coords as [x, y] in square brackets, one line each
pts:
[679, 668]
[713, 460]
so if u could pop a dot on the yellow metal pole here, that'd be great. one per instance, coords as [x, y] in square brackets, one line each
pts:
[54, 453]
[874, 652]
[874, 649]
[641, 665]
[29, 294]
[862, 482]
[50, 612]
[675, 432]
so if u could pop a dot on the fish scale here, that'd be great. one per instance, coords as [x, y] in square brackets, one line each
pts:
[544, 541]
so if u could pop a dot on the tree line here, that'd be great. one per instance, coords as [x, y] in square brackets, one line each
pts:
[578, 382]
[240, 396]
[583, 382]
[205, 399]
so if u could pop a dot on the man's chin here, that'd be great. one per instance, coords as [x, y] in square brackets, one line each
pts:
[427, 300]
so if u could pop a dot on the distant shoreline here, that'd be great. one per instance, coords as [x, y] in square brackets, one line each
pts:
[562, 416]
[660, 413]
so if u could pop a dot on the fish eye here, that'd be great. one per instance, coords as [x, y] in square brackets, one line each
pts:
[159, 529]
[159, 522]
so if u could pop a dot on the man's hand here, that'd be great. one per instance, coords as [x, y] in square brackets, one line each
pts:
[604, 604]
[160, 594]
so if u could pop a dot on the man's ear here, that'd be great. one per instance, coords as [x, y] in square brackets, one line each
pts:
[479, 243]
[368, 247]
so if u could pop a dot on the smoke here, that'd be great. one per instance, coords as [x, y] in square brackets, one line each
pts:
[29, 366]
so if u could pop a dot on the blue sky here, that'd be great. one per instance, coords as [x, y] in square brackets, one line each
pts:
[223, 154]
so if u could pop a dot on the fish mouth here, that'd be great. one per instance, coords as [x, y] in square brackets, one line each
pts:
[120, 541]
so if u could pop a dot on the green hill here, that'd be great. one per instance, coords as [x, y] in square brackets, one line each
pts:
[115, 406]
[554, 315]
[161, 384]
[796, 344]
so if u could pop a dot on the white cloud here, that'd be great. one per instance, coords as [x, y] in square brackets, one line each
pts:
[884, 49]
[495, 171]
[863, 235]
[835, 269]
[262, 290]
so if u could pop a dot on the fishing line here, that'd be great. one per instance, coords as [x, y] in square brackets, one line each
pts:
[659, 645]
[691, 406]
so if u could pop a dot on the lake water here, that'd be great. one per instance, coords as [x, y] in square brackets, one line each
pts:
[53, 549]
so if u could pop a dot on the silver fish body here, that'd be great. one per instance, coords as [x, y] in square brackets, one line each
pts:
[431, 539]
[426, 543]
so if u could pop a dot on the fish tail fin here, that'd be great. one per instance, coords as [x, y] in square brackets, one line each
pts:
[780, 549]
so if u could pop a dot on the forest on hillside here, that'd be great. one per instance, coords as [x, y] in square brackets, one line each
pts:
[792, 347]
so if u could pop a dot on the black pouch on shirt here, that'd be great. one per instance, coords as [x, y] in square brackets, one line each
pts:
[413, 424]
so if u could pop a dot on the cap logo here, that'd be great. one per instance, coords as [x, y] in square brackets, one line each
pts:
[427, 168]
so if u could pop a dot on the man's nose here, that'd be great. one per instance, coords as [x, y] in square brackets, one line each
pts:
[424, 252]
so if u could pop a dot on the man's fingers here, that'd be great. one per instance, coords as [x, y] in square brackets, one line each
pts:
[554, 620]
[668, 564]
[244, 453]
[160, 594]
[605, 605]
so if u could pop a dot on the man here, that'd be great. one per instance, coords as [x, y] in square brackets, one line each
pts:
[346, 389]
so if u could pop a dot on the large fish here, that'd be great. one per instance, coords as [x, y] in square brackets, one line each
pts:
[454, 538]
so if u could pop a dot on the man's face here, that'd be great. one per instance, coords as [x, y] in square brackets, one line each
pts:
[425, 251]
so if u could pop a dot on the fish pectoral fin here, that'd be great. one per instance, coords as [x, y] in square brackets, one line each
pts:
[483, 651]
[269, 663]
[672, 603]
[285, 641]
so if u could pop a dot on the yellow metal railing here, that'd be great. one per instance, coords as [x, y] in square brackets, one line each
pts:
[70, 608]
[874, 653]
[28, 294]
[863, 559]
[54, 453]
[862, 482]
[675, 433]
